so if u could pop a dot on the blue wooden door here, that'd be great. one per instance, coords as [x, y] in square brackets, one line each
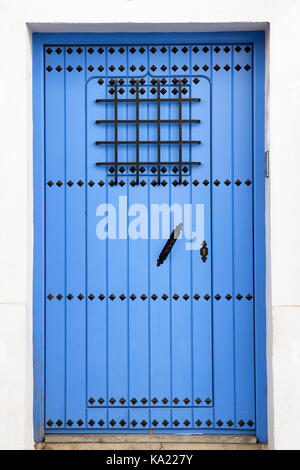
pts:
[136, 134]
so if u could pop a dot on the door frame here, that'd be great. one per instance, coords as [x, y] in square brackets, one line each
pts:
[257, 39]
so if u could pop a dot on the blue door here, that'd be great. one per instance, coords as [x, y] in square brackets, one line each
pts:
[149, 298]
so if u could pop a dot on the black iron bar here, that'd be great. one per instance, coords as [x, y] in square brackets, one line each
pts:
[134, 142]
[146, 163]
[137, 133]
[158, 129]
[180, 131]
[146, 121]
[116, 131]
[153, 100]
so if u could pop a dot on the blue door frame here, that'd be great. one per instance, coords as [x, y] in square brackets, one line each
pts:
[257, 39]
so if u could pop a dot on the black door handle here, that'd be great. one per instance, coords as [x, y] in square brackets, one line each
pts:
[169, 245]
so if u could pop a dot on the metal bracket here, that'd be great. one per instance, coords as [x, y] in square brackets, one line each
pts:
[267, 164]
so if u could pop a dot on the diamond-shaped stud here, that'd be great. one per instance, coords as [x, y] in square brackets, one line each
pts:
[133, 423]
[241, 423]
[133, 297]
[176, 423]
[206, 297]
[229, 423]
[101, 297]
[249, 297]
[50, 423]
[186, 401]
[112, 422]
[144, 401]
[122, 423]
[59, 423]
[217, 297]
[217, 183]
[112, 401]
[154, 401]
[80, 422]
[196, 296]
[238, 182]
[91, 296]
[198, 423]
[219, 423]
[227, 182]
[59, 296]
[165, 401]
[176, 401]
[208, 423]
[250, 423]
[164, 297]
[112, 297]
[69, 423]
[122, 297]
[69, 296]
[154, 423]
[133, 401]
[144, 423]
[101, 423]
[50, 297]
[208, 401]
[143, 297]
[165, 423]
[237, 67]
[239, 296]
[175, 296]
[154, 297]
[186, 422]
[206, 182]
[186, 297]
[101, 400]
[198, 401]
[228, 297]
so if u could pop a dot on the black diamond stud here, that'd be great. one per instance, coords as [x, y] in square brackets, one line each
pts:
[50, 297]
[237, 67]
[208, 401]
[70, 183]
[217, 183]
[220, 423]
[198, 401]
[217, 67]
[91, 297]
[205, 68]
[227, 182]
[122, 297]
[217, 297]
[175, 296]
[248, 182]
[154, 423]
[79, 68]
[238, 182]
[91, 422]
[112, 422]
[144, 423]
[196, 296]
[50, 423]
[153, 50]
[69, 296]
[101, 400]
[154, 401]
[238, 49]
[247, 67]
[229, 423]
[59, 423]
[133, 297]
[133, 401]
[165, 423]
[206, 297]
[206, 182]
[241, 423]
[227, 68]
[144, 401]
[69, 50]
[186, 401]
[249, 297]
[91, 183]
[59, 296]
[165, 401]
[112, 297]
[217, 49]
[228, 297]
[198, 423]
[59, 183]
[122, 423]
[58, 68]
[196, 183]
[239, 296]
[101, 423]
[69, 423]
[186, 422]
[101, 297]
[143, 297]
[176, 423]
[49, 50]
[227, 49]
[186, 297]
[176, 401]
[250, 423]
[80, 183]
[112, 401]
[208, 422]
[164, 297]
[133, 423]
[154, 297]
[80, 422]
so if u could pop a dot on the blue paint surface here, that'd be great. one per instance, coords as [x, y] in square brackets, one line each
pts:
[168, 364]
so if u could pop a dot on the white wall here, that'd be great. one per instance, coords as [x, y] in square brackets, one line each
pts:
[16, 183]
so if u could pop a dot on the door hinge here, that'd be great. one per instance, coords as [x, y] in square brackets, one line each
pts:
[267, 164]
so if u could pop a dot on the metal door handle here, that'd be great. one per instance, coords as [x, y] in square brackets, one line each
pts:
[169, 245]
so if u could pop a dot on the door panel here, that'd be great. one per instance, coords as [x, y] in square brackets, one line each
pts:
[129, 345]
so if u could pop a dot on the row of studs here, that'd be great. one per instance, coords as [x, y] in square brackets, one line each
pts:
[154, 297]
[154, 400]
[153, 68]
[153, 50]
[101, 183]
[154, 423]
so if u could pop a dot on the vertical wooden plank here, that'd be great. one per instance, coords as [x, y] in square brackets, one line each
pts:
[96, 250]
[243, 237]
[223, 316]
[55, 237]
[117, 278]
[75, 239]
[159, 285]
[201, 271]
[138, 262]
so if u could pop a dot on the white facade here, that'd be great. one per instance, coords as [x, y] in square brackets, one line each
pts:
[18, 19]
